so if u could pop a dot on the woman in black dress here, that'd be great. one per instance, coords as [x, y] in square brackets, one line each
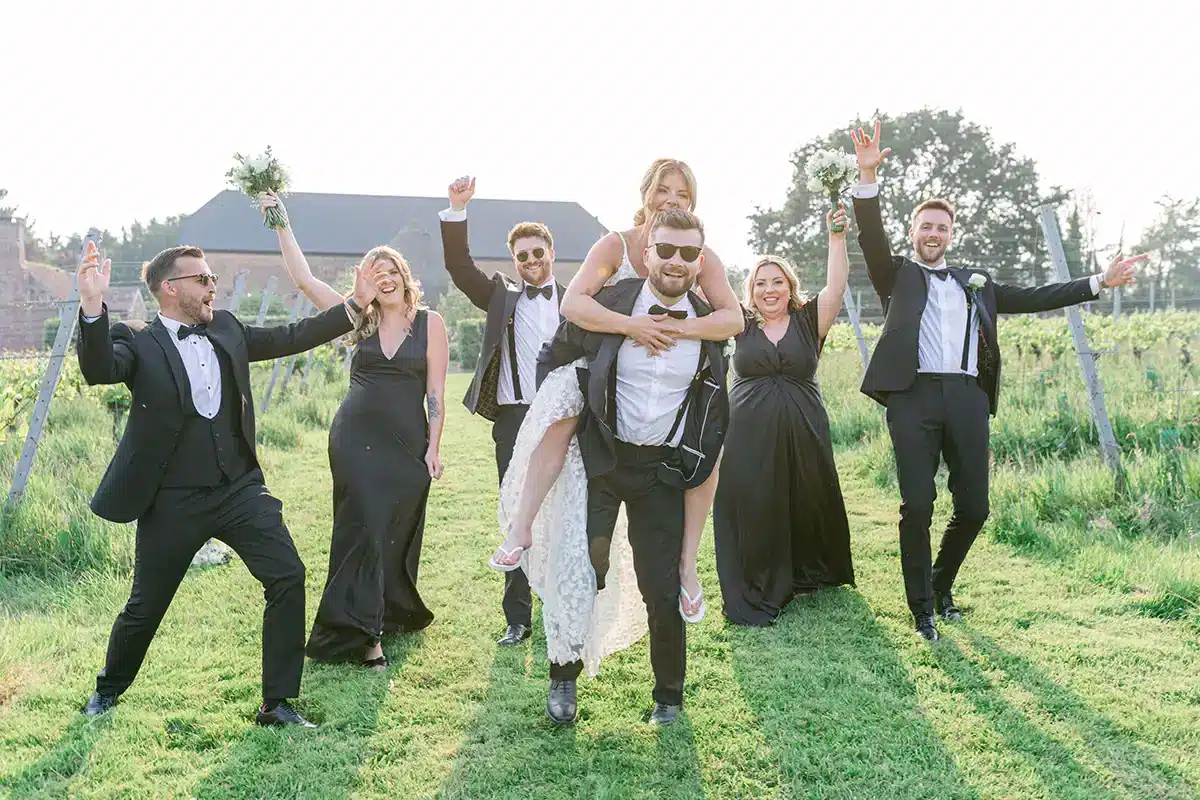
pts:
[779, 522]
[383, 453]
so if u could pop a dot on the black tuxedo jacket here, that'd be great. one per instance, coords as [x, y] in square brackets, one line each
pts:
[148, 362]
[497, 296]
[903, 288]
[708, 403]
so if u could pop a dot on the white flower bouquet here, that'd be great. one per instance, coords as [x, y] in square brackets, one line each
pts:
[831, 171]
[254, 175]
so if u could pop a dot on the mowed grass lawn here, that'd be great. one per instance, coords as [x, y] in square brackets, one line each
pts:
[1055, 687]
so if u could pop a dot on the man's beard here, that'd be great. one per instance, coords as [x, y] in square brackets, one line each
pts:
[535, 276]
[931, 254]
[195, 308]
[670, 285]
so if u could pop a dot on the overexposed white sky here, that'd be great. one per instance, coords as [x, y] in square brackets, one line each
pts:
[112, 115]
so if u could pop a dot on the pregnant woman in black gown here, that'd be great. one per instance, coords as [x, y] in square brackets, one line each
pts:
[779, 522]
[383, 453]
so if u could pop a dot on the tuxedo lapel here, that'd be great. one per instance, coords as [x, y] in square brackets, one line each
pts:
[178, 371]
[221, 338]
[975, 299]
[558, 297]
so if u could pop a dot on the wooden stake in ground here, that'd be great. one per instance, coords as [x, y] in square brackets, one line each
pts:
[1087, 356]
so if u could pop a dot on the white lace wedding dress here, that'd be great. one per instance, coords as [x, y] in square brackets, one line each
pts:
[580, 623]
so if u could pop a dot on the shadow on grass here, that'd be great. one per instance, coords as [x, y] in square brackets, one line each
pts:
[344, 700]
[51, 774]
[1129, 770]
[514, 752]
[837, 706]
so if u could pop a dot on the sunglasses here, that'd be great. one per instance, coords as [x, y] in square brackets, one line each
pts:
[688, 252]
[538, 252]
[206, 278]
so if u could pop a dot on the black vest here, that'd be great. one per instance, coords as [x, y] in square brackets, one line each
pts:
[211, 451]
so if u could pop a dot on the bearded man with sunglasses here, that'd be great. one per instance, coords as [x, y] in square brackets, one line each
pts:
[521, 317]
[186, 467]
[650, 428]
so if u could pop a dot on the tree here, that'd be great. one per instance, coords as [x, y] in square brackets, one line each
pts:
[6, 212]
[1079, 241]
[1173, 242]
[934, 154]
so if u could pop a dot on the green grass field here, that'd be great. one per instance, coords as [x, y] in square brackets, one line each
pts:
[1066, 680]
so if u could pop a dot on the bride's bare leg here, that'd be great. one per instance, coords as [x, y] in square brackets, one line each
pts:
[544, 466]
[697, 502]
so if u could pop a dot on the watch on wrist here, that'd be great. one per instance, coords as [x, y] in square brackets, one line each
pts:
[354, 306]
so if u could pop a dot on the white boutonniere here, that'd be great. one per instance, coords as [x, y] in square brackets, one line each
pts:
[976, 282]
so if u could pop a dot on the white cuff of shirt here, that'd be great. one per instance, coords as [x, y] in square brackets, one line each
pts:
[350, 313]
[450, 215]
[1097, 281]
[865, 191]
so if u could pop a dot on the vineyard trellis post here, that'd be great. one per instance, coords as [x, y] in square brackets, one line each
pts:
[856, 323]
[1087, 357]
[305, 308]
[296, 306]
[265, 305]
[234, 302]
[68, 315]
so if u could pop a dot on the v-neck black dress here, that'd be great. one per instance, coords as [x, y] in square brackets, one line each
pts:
[779, 521]
[377, 447]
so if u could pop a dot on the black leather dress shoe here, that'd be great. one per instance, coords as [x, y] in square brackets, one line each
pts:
[943, 604]
[282, 714]
[514, 635]
[664, 714]
[560, 703]
[98, 703]
[925, 628]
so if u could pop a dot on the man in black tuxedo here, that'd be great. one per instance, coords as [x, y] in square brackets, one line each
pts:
[936, 368]
[652, 426]
[186, 467]
[521, 317]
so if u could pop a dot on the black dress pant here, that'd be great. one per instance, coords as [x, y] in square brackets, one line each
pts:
[518, 599]
[655, 513]
[938, 416]
[244, 515]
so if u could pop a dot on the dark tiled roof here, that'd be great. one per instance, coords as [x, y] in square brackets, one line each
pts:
[351, 224]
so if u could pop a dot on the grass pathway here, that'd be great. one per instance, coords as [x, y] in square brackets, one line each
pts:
[1054, 688]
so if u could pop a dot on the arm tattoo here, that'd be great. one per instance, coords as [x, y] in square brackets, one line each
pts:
[434, 410]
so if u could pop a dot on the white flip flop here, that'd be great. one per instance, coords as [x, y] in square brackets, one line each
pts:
[699, 615]
[506, 553]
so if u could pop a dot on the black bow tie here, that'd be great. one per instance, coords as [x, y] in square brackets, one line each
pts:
[532, 291]
[672, 313]
[188, 330]
[940, 274]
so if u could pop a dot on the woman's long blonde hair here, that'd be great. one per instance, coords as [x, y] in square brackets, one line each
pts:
[795, 298]
[654, 175]
[368, 321]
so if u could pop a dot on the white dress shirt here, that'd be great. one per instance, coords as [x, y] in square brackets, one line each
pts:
[535, 322]
[650, 389]
[945, 318]
[203, 369]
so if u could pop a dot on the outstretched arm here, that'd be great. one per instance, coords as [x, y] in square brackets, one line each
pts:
[727, 319]
[437, 354]
[456, 249]
[1032, 299]
[105, 355]
[872, 237]
[837, 272]
[322, 295]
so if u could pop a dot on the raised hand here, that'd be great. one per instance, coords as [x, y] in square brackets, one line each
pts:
[837, 223]
[461, 192]
[1120, 271]
[866, 147]
[366, 284]
[268, 200]
[93, 275]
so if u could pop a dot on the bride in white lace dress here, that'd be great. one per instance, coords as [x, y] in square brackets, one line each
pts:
[543, 500]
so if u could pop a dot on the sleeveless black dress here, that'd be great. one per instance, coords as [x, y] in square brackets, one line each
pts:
[377, 447]
[779, 521]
